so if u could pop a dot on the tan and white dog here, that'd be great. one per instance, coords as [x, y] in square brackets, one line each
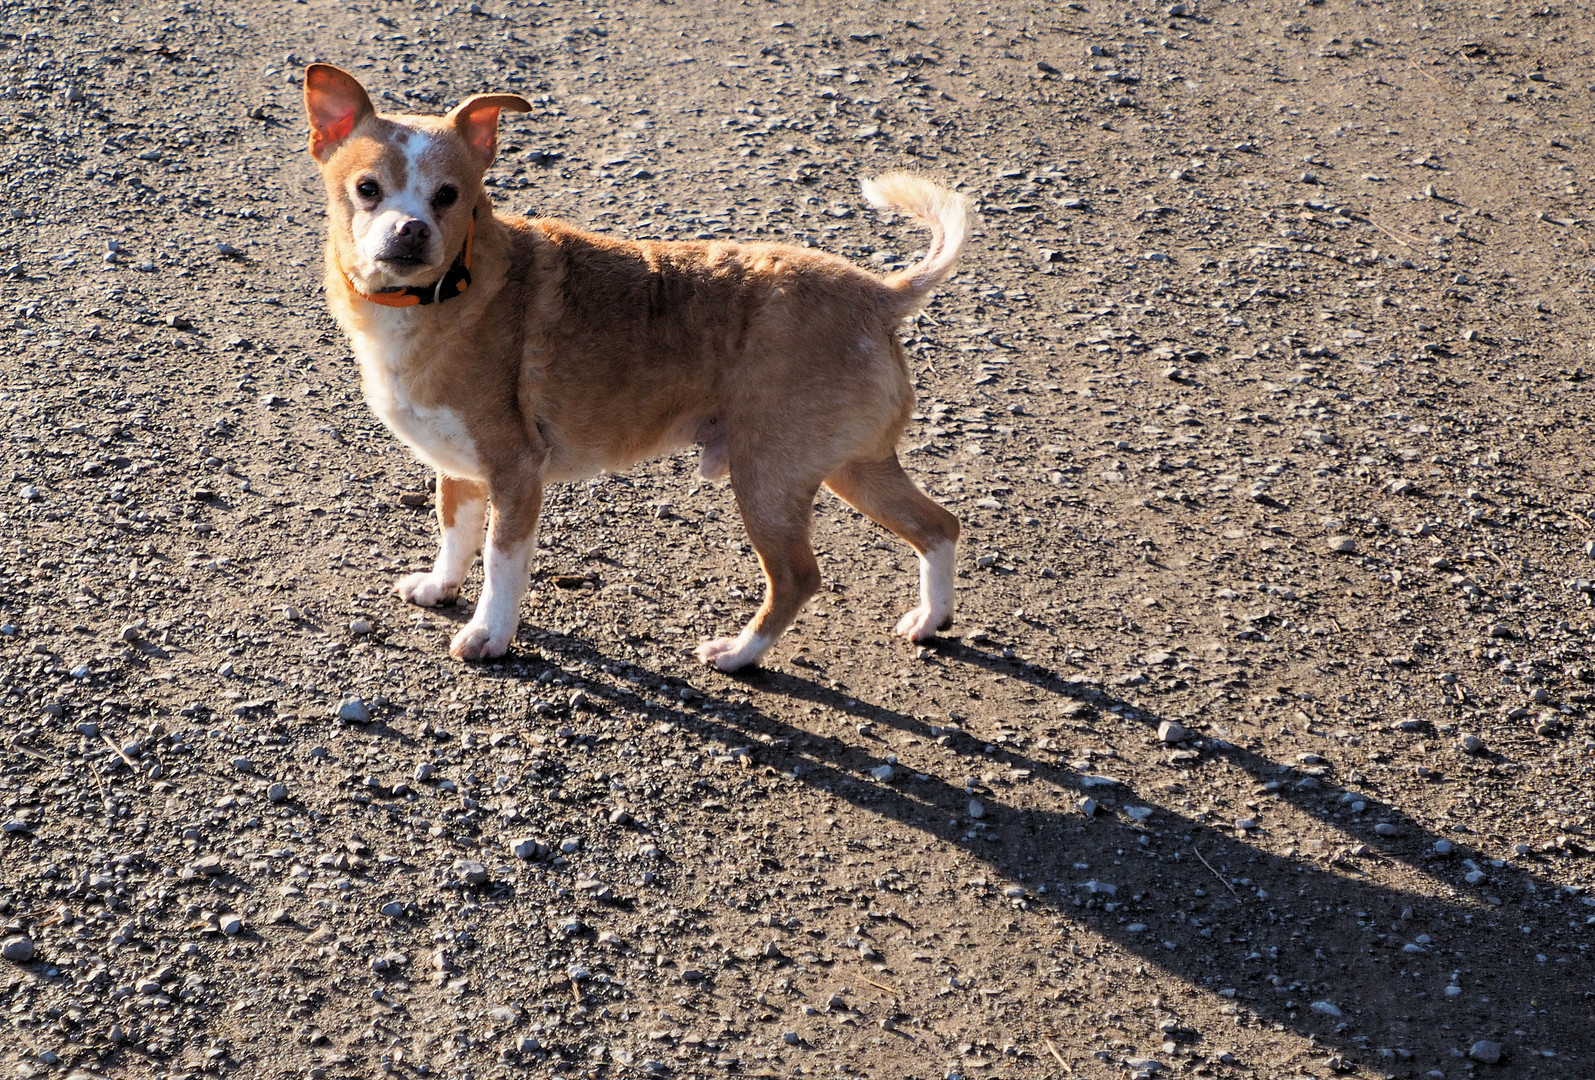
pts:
[509, 353]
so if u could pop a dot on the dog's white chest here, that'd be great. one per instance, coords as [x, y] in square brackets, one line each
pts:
[438, 436]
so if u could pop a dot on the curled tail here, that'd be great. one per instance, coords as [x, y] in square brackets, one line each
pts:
[944, 212]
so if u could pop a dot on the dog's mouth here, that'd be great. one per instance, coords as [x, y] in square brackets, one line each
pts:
[403, 262]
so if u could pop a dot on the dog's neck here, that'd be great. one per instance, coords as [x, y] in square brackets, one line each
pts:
[455, 280]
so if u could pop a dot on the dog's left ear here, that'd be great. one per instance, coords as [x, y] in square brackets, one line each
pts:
[476, 118]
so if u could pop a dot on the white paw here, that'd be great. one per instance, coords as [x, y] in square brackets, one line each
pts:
[427, 590]
[479, 641]
[731, 654]
[921, 623]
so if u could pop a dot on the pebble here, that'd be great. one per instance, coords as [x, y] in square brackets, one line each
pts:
[1444, 847]
[1171, 731]
[526, 847]
[883, 773]
[360, 627]
[1325, 1008]
[1384, 828]
[1343, 545]
[1242, 824]
[1485, 1051]
[470, 871]
[1471, 744]
[976, 811]
[1475, 877]
[230, 924]
[354, 711]
[227, 251]
[17, 949]
[277, 792]
[210, 866]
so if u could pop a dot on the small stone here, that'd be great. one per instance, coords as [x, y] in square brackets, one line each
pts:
[570, 845]
[1343, 545]
[230, 924]
[1245, 823]
[277, 792]
[883, 773]
[227, 251]
[393, 909]
[1325, 1008]
[1087, 806]
[1476, 877]
[210, 866]
[354, 711]
[1485, 1051]
[976, 810]
[1384, 828]
[1171, 731]
[526, 847]
[471, 872]
[17, 949]
[360, 627]
[1471, 744]
[1500, 630]
[1444, 847]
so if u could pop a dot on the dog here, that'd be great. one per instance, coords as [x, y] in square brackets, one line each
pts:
[511, 353]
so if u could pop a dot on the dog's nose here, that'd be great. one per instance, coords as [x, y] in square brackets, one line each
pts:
[415, 229]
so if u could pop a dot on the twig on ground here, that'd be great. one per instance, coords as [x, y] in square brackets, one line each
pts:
[1216, 874]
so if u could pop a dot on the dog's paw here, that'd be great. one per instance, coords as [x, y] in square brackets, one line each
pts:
[478, 641]
[732, 654]
[427, 590]
[921, 623]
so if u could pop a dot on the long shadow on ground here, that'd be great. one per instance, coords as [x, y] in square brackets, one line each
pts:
[1285, 936]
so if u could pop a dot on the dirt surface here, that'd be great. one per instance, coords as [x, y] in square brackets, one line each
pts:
[1262, 392]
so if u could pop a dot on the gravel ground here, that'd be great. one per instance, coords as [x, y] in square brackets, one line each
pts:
[1262, 747]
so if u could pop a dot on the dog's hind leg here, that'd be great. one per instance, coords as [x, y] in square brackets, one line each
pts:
[777, 516]
[462, 512]
[882, 492]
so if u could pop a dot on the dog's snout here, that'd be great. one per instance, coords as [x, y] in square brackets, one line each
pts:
[411, 242]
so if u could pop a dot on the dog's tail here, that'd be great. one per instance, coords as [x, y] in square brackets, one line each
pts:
[944, 212]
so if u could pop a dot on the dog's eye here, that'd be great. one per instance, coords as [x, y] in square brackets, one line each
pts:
[445, 196]
[368, 189]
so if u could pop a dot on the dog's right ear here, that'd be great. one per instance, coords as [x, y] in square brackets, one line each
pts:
[335, 102]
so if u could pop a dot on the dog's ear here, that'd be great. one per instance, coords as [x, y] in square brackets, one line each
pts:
[476, 119]
[335, 102]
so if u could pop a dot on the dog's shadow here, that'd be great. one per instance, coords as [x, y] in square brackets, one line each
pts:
[1171, 889]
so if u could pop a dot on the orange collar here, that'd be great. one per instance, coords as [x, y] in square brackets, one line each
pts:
[455, 281]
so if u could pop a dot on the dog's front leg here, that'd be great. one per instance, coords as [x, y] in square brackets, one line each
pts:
[462, 512]
[517, 499]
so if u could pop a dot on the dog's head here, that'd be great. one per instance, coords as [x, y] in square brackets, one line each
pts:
[400, 189]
